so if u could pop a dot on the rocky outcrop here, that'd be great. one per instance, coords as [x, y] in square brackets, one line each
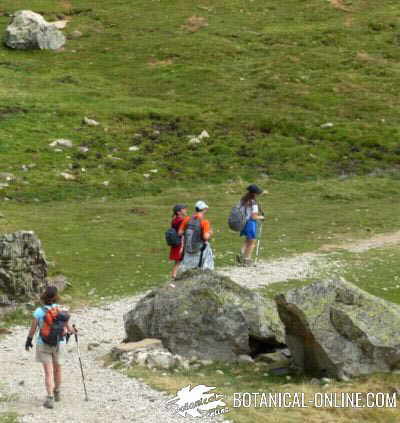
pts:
[23, 267]
[29, 30]
[335, 329]
[207, 315]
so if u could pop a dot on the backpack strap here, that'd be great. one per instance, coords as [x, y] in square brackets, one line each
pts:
[201, 255]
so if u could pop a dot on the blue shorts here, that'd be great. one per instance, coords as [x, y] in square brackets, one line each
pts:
[250, 229]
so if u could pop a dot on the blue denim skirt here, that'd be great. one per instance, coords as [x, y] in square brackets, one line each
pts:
[250, 229]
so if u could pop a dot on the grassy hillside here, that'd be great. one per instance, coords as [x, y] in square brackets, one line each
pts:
[260, 77]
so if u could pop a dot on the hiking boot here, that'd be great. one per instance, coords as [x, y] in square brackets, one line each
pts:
[248, 263]
[49, 403]
[57, 395]
[239, 259]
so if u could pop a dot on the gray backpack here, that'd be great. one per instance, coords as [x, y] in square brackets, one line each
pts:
[193, 236]
[237, 218]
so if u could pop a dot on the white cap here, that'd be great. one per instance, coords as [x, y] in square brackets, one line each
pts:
[201, 205]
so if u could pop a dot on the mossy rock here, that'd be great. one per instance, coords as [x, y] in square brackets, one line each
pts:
[335, 329]
[205, 314]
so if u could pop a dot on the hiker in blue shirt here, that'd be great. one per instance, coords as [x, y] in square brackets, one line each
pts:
[49, 355]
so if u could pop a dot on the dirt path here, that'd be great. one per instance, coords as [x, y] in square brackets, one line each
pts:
[113, 396]
[306, 265]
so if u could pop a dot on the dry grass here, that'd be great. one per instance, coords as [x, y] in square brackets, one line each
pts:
[153, 63]
[338, 4]
[195, 23]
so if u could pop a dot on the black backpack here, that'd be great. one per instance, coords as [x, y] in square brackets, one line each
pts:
[193, 236]
[172, 238]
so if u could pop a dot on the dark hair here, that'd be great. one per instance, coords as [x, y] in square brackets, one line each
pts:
[248, 198]
[50, 295]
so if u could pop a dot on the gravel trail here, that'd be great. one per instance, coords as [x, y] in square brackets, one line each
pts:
[113, 397]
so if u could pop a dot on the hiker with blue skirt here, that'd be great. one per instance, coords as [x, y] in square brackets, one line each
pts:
[253, 215]
[197, 233]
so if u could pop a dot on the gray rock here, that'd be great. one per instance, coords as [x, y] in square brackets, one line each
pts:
[134, 347]
[334, 329]
[59, 281]
[7, 176]
[244, 358]
[205, 314]
[23, 266]
[75, 35]
[90, 122]
[161, 360]
[62, 143]
[29, 30]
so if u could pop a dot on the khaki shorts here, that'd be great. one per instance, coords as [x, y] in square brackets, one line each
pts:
[47, 353]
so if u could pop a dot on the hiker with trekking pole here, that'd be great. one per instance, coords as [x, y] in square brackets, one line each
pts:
[197, 233]
[51, 323]
[246, 217]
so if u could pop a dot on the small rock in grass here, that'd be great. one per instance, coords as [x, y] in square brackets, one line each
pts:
[244, 358]
[206, 362]
[204, 134]
[90, 122]
[68, 176]
[62, 143]
[327, 125]
[75, 35]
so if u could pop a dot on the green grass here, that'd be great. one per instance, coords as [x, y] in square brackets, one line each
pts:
[8, 418]
[256, 378]
[116, 246]
[261, 78]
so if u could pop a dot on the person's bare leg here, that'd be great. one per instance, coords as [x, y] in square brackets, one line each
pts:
[57, 376]
[48, 378]
[175, 269]
[250, 245]
[57, 381]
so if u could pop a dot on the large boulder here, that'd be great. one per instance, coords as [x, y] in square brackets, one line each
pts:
[335, 329]
[23, 267]
[29, 30]
[207, 315]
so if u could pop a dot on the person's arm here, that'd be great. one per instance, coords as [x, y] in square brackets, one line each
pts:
[182, 228]
[207, 231]
[31, 334]
[255, 215]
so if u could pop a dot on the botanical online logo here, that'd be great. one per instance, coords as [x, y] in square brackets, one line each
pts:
[197, 402]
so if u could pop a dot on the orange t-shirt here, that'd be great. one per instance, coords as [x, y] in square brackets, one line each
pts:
[204, 224]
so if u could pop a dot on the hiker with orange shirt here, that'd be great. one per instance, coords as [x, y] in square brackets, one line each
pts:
[197, 233]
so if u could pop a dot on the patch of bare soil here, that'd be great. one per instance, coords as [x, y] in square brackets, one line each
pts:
[338, 4]
[155, 63]
[194, 23]
[359, 246]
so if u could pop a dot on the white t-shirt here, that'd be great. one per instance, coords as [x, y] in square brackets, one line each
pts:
[250, 209]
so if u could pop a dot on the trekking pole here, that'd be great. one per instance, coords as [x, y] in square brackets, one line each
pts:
[258, 242]
[80, 362]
